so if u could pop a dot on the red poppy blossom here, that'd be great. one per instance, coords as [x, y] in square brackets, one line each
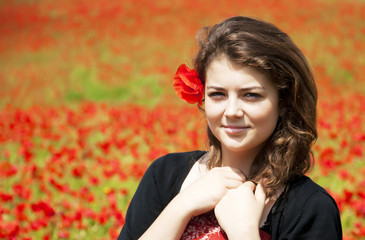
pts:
[188, 85]
[6, 197]
[44, 207]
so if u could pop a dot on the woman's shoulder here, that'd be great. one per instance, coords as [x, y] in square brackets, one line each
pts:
[303, 188]
[303, 193]
[305, 201]
[169, 171]
[306, 209]
[177, 160]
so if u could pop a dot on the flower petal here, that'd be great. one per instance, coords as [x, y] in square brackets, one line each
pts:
[188, 85]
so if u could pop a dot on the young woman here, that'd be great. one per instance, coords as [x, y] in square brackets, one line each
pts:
[259, 98]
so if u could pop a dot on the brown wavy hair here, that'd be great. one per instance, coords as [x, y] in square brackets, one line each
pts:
[261, 45]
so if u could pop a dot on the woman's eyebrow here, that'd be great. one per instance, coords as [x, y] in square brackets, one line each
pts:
[215, 88]
[241, 89]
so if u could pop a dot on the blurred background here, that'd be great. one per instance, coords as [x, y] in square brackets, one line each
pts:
[86, 104]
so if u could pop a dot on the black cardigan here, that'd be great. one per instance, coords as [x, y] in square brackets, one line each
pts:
[306, 211]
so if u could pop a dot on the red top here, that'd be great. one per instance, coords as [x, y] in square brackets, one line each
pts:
[206, 227]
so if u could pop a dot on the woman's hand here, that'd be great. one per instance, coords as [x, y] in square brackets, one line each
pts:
[199, 197]
[240, 210]
[204, 194]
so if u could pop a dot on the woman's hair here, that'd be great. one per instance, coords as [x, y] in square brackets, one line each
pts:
[248, 42]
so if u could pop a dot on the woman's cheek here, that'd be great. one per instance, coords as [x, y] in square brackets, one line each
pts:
[263, 115]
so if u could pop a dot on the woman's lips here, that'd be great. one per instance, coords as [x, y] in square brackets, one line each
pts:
[235, 129]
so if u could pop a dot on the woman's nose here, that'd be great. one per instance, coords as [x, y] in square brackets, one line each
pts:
[233, 109]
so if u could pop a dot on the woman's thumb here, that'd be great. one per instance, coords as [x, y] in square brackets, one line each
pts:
[260, 194]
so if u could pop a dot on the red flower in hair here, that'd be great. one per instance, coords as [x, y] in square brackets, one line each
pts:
[188, 85]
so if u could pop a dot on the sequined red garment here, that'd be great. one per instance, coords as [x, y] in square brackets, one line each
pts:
[206, 227]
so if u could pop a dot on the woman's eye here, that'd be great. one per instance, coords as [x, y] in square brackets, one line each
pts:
[216, 95]
[252, 95]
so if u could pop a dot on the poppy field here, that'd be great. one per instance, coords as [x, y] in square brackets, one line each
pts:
[87, 103]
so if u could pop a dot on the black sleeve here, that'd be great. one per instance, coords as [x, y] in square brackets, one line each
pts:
[144, 207]
[160, 184]
[311, 217]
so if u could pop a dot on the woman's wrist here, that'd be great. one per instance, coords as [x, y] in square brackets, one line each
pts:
[183, 207]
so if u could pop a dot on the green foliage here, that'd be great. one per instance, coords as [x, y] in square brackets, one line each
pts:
[142, 90]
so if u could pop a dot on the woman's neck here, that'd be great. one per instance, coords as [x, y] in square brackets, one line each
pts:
[240, 160]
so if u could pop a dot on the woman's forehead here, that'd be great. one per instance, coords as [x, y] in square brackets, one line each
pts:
[221, 72]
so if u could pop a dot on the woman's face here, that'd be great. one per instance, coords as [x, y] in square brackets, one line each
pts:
[241, 106]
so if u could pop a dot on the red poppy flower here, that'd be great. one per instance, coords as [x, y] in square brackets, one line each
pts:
[43, 206]
[188, 85]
